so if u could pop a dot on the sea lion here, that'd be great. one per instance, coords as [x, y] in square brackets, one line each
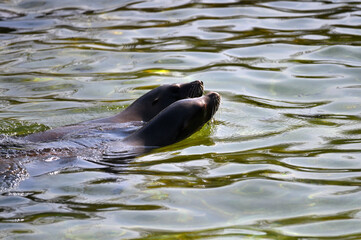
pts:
[175, 123]
[143, 109]
[153, 102]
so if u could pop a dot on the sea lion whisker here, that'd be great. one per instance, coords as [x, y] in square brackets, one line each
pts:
[190, 93]
[193, 91]
[196, 89]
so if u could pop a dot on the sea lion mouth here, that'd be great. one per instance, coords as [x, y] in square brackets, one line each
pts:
[196, 89]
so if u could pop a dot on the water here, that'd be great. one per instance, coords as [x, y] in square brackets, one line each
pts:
[280, 160]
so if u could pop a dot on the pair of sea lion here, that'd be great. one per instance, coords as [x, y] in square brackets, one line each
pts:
[163, 116]
[170, 113]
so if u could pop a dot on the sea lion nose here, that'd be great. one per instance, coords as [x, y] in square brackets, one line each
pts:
[215, 99]
[197, 82]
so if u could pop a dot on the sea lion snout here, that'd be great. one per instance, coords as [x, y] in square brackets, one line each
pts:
[199, 87]
[192, 89]
[215, 98]
[212, 101]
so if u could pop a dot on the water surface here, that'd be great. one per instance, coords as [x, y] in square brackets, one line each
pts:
[280, 160]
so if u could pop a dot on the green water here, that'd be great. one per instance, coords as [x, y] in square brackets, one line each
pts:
[280, 160]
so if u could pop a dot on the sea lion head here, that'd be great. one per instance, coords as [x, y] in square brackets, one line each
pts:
[177, 122]
[153, 102]
[198, 111]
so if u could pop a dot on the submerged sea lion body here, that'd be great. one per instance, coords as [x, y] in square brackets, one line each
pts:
[143, 109]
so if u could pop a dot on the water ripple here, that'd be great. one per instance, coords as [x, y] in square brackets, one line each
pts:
[280, 159]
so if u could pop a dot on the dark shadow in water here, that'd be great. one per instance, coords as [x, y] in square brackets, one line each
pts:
[7, 30]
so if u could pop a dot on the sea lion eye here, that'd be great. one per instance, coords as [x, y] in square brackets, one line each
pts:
[155, 101]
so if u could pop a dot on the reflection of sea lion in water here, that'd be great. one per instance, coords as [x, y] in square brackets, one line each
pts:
[143, 109]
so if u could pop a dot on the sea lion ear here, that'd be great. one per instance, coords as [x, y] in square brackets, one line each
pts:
[155, 101]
